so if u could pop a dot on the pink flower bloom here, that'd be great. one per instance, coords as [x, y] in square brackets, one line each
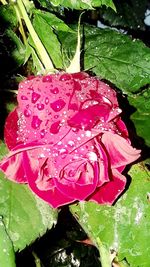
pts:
[67, 140]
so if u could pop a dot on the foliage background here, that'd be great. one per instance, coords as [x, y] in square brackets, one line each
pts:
[118, 52]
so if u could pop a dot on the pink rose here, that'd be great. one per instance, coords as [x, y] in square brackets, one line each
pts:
[67, 140]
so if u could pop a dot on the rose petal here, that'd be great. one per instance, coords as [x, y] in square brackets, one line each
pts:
[108, 193]
[13, 168]
[119, 150]
[103, 164]
[10, 129]
[54, 197]
[88, 117]
[80, 191]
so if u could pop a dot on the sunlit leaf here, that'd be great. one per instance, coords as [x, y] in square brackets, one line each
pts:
[49, 39]
[80, 4]
[123, 227]
[26, 217]
[140, 117]
[113, 56]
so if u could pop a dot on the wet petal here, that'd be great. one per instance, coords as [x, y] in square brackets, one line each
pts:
[13, 168]
[83, 190]
[10, 129]
[108, 193]
[54, 197]
[119, 150]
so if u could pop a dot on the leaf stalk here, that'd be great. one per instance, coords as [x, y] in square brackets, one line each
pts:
[47, 63]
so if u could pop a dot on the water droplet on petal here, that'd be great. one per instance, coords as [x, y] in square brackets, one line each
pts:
[88, 133]
[42, 133]
[63, 152]
[54, 129]
[71, 143]
[23, 97]
[36, 122]
[35, 97]
[40, 106]
[46, 100]
[47, 78]
[55, 90]
[56, 116]
[71, 173]
[65, 77]
[58, 105]
[27, 112]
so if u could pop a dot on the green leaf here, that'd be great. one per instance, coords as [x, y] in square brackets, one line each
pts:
[7, 255]
[17, 51]
[129, 14]
[140, 117]
[8, 16]
[30, 51]
[53, 21]
[49, 39]
[82, 4]
[123, 227]
[113, 56]
[26, 216]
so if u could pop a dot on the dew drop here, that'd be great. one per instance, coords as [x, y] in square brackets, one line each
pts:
[55, 90]
[36, 122]
[75, 130]
[65, 77]
[46, 100]
[47, 78]
[54, 129]
[71, 173]
[56, 116]
[63, 152]
[23, 97]
[42, 133]
[35, 97]
[58, 105]
[71, 143]
[27, 112]
[88, 133]
[40, 106]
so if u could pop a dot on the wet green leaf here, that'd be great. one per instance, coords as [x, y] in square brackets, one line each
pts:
[7, 255]
[49, 39]
[53, 21]
[140, 117]
[129, 14]
[8, 16]
[81, 4]
[113, 56]
[17, 51]
[125, 226]
[26, 217]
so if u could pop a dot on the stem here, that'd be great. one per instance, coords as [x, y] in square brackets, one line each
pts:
[7, 255]
[4, 2]
[104, 254]
[38, 44]
[75, 62]
[36, 259]
[11, 91]
[21, 29]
